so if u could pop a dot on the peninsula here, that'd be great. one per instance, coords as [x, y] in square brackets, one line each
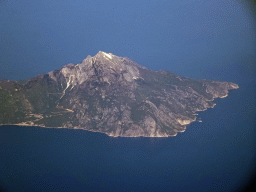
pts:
[109, 94]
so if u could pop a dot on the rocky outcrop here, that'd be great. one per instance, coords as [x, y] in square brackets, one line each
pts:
[109, 94]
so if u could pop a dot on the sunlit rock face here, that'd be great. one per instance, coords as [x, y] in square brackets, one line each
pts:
[109, 94]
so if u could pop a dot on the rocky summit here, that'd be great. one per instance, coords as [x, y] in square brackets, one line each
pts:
[109, 94]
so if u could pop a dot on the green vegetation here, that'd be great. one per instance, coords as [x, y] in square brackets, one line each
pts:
[11, 108]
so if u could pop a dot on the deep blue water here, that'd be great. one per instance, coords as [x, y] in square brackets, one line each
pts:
[215, 155]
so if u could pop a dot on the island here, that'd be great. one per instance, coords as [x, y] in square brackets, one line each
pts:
[109, 94]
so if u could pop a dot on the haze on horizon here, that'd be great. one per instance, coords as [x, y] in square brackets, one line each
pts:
[187, 37]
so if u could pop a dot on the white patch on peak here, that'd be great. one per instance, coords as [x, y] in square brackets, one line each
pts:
[108, 55]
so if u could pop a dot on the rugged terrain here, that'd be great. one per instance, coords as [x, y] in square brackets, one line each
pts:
[109, 94]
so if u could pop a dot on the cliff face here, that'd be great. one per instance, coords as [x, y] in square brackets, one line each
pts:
[109, 94]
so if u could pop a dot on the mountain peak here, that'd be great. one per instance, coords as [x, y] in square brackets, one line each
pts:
[100, 55]
[104, 54]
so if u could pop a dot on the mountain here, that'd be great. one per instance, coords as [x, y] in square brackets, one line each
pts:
[109, 94]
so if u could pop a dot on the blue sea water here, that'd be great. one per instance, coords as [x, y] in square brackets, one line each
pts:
[217, 154]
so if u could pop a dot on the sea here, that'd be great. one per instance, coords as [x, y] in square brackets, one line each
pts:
[217, 154]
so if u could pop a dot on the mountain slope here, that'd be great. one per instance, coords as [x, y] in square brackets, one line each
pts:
[112, 95]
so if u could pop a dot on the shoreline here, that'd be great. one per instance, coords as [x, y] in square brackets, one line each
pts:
[114, 136]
